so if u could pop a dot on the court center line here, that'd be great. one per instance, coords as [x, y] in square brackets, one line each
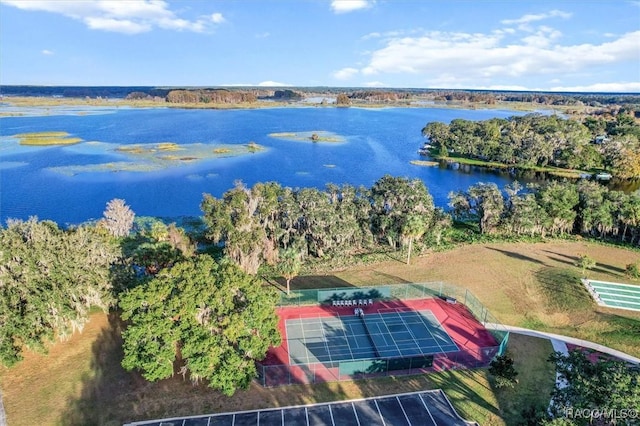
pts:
[427, 408]
[282, 416]
[403, 412]
[344, 333]
[324, 340]
[209, 421]
[306, 414]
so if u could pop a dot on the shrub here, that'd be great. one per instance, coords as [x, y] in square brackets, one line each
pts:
[501, 368]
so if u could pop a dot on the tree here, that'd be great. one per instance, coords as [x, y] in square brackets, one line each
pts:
[501, 368]
[49, 279]
[413, 228]
[289, 265]
[633, 270]
[343, 100]
[393, 200]
[118, 218]
[560, 202]
[212, 318]
[245, 220]
[585, 262]
[604, 384]
[482, 201]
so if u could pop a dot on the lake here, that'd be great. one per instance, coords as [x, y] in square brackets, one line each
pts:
[72, 184]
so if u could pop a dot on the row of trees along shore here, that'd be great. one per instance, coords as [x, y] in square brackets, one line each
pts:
[209, 317]
[256, 224]
[603, 142]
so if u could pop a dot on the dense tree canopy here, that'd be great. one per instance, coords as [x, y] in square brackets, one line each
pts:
[539, 140]
[49, 278]
[604, 385]
[212, 318]
[255, 224]
[552, 209]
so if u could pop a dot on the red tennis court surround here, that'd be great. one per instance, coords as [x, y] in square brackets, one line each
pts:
[476, 345]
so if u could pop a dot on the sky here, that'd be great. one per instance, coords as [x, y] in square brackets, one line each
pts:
[560, 45]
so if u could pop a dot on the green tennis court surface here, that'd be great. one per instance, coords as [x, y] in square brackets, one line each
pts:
[616, 295]
[374, 335]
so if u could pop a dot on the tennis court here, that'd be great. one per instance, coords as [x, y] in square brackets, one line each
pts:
[383, 335]
[615, 295]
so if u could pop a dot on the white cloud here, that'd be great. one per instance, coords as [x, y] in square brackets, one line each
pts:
[124, 26]
[345, 6]
[127, 17]
[527, 19]
[345, 73]
[504, 87]
[47, 52]
[270, 83]
[374, 84]
[478, 59]
[601, 87]
[217, 18]
[263, 35]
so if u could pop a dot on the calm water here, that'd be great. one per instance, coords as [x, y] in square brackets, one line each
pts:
[377, 142]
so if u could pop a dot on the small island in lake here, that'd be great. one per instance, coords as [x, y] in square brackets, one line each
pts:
[154, 156]
[319, 136]
[46, 138]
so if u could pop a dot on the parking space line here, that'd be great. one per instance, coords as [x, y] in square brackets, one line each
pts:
[403, 412]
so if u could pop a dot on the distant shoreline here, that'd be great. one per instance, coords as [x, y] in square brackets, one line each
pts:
[52, 102]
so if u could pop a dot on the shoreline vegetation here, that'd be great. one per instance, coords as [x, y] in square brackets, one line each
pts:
[604, 146]
[553, 171]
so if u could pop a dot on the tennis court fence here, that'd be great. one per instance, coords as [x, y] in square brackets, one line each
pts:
[277, 375]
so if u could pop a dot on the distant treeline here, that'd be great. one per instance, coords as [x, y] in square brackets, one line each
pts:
[609, 142]
[355, 93]
[216, 96]
[82, 91]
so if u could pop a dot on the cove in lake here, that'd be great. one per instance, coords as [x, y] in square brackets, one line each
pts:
[376, 142]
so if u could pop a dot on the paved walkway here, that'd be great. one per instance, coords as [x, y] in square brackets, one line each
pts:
[559, 344]
[561, 341]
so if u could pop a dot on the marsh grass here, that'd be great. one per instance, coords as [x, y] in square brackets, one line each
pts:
[168, 146]
[46, 139]
[221, 150]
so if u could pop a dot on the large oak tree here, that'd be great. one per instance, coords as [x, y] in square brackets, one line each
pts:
[213, 319]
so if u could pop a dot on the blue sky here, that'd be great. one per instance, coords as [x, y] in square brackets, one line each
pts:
[473, 44]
